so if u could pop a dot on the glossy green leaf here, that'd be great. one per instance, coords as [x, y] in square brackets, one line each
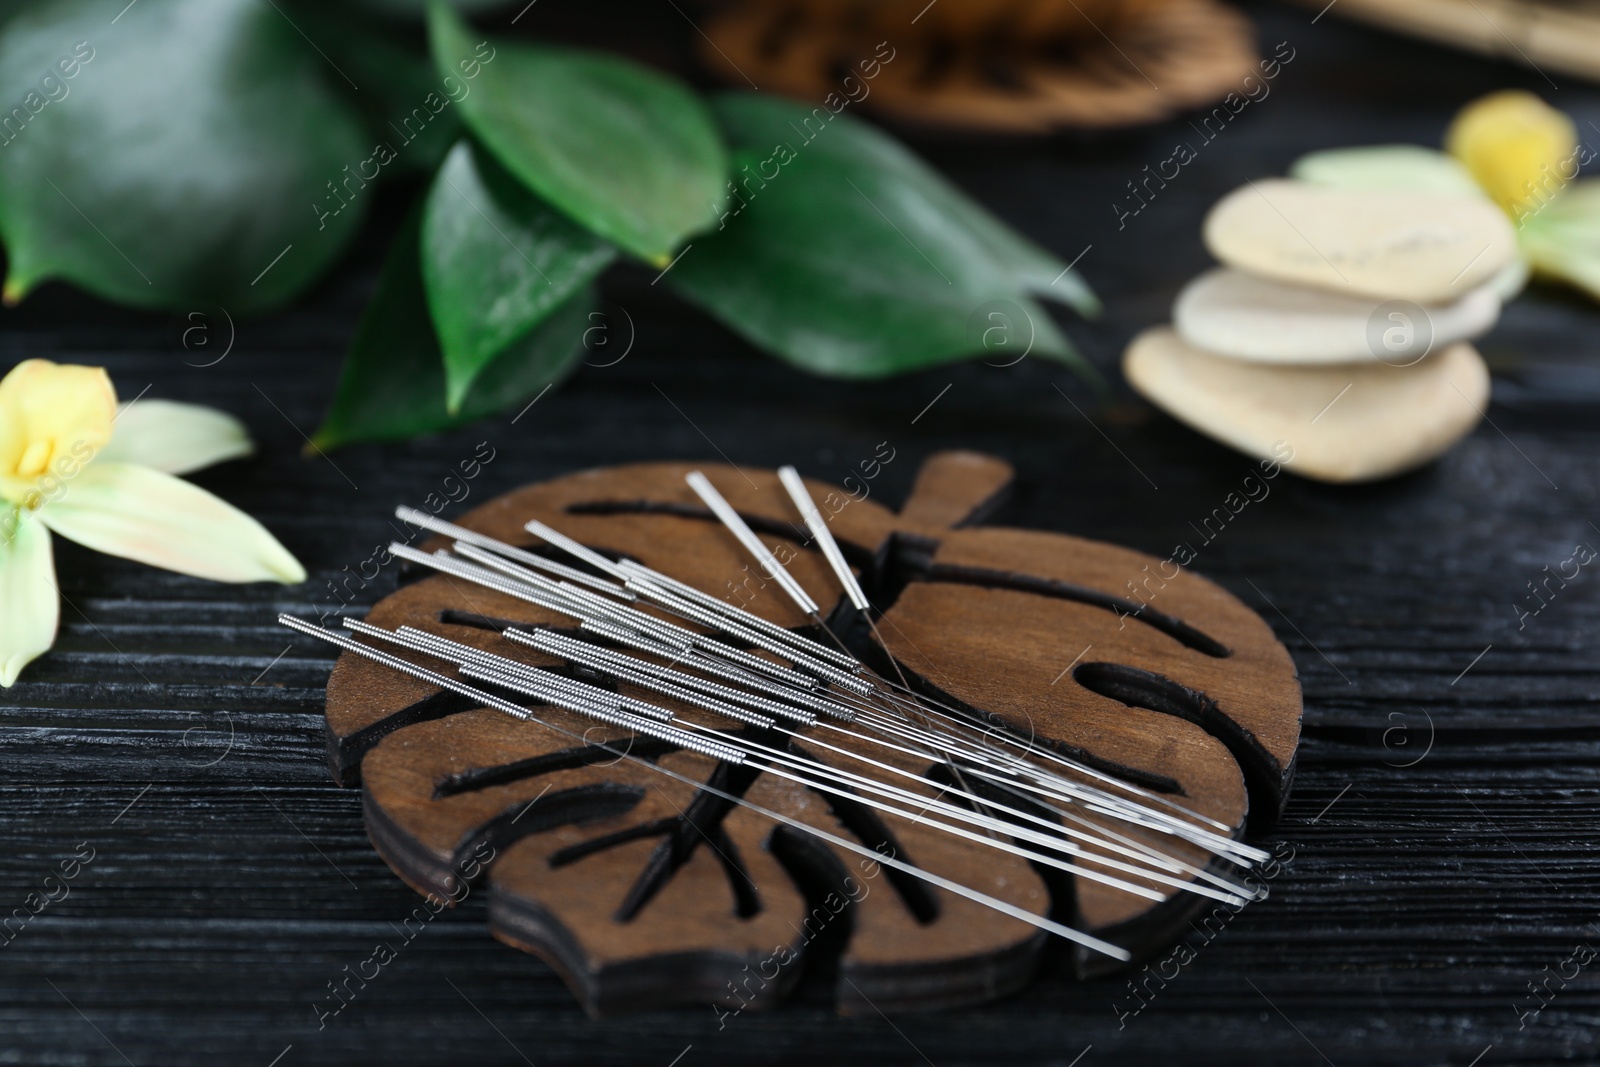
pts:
[623, 150]
[496, 261]
[846, 255]
[1562, 239]
[392, 385]
[1397, 166]
[407, 106]
[189, 151]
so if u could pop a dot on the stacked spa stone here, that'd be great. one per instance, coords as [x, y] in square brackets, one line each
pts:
[1336, 330]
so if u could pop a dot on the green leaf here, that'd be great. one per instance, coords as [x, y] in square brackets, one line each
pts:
[625, 151]
[414, 9]
[392, 385]
[496, 261]
[1398, 166]
[1036, 270]
[1562, 239]
[186, 153]
[846, 255]
[406, 104]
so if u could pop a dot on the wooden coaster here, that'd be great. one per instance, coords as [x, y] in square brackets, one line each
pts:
[644, 892]
[1020, 67]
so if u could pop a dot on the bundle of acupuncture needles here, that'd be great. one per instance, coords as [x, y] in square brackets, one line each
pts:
[1000, 791]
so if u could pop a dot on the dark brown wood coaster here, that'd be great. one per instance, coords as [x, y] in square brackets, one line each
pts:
[1013, 67]
[644, 892]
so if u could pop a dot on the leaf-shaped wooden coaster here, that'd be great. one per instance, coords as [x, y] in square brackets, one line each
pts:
[644, 890]
[1017, 67]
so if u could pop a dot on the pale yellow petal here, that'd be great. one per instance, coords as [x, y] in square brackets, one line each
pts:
[30, 606]
[58, 416]
[145, 515]
[13, 441]
[1521, 150]
[174, 437]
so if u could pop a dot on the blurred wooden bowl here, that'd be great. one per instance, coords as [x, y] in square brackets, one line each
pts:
[1005, 66]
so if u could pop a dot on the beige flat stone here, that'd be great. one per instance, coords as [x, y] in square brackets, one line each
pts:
[1347, 423]
[1249, 317]
[1431, 248]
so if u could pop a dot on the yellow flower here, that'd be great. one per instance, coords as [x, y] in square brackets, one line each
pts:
[1521, 150]
[72, 463]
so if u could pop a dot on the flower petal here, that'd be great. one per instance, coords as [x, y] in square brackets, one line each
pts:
[1520, 149]
[176, 438]
[1398, 166]
[1563, 239]
[31, 602]
[54, 413]
[145, 515]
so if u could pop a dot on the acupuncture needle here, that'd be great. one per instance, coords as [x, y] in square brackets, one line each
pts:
[741, 531]
[498, 670]
[829, 547]
[559, 599]
[565, 647]
[735, 523]
[489, 700]
[562, 646]
[823, 536]
[528, 559]
[631, 571]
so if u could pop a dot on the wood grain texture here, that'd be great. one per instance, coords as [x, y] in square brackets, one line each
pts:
[1422, 898]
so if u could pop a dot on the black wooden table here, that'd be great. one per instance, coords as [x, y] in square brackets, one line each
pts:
[1443, 822]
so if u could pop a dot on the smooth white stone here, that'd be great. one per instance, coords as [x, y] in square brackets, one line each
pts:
[1509, 283]
[1249, 317]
